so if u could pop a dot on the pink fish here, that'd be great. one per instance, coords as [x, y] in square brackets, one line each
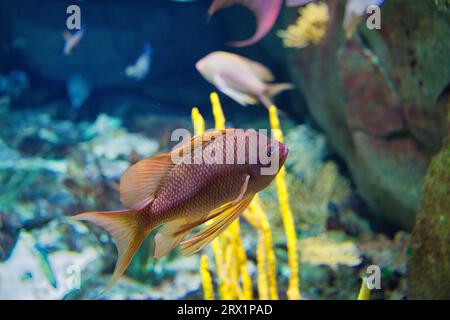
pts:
[214, 180]
[244, 80]
[265, 11]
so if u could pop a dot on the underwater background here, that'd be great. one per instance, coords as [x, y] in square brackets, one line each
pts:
[366, 183]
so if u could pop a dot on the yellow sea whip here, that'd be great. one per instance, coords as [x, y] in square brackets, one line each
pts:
[267, 275]
[226, 245]
[364, 292]
[293, 292]
[229, 253]
[234, 229]
[208, 290]
[228, 249]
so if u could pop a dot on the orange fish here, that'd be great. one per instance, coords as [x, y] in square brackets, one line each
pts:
[212, 177]
[242, 79]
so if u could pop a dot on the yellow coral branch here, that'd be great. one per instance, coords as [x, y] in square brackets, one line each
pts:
[263, 286]
[208, 291]
[234, 229]
[198, 121]
[266, 235]
[293, 292]
[217, 111]
[364, 292]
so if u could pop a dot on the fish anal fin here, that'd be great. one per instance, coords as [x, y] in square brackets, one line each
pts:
[128, 232]
[140, 182]
[218, 224]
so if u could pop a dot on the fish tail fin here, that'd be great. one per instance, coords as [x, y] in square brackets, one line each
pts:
[272, 90]
[128, 230]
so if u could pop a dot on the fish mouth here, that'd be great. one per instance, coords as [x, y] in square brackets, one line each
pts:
[199, 66]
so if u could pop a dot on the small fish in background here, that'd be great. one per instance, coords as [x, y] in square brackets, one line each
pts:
[78, 90]
[354, 12]
[72, 40]
[184, 194]
[242, 79]
[265, 11]
[141, 67]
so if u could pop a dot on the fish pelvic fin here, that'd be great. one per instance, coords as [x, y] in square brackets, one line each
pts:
[272, 90]
[128, 230]
[219, 222]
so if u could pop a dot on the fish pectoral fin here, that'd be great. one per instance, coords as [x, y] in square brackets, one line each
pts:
[243, 190]
[127, 232]
[219, 222]
[240, 97]
[140, 182]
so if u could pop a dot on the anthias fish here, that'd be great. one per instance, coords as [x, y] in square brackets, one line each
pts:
[242, 79]
[265, 11]
[212, 177]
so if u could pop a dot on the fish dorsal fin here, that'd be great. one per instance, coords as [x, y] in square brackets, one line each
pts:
[219, 222]
[261, 71]
[139, 184]
[201, 140]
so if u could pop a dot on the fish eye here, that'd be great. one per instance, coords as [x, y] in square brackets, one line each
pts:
[270, 150]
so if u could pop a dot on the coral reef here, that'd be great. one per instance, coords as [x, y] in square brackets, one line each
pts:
[310, 27]
[429, 265]
[377, 100]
